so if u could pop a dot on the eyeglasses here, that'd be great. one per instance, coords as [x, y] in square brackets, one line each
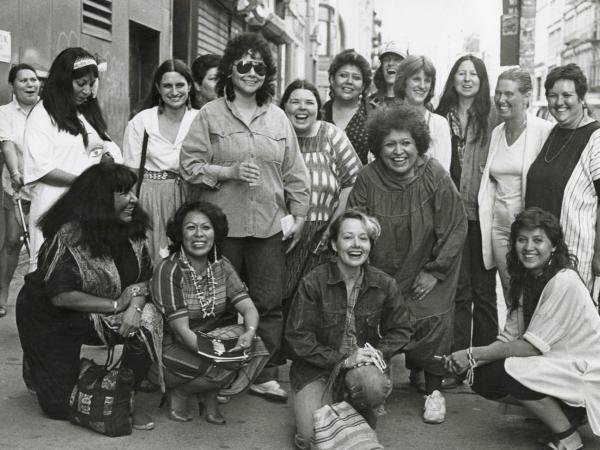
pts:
[260, 68]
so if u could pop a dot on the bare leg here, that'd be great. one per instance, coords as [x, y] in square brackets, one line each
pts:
[9, 254]
[548, 410]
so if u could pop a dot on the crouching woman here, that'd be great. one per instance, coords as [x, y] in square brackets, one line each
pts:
[548, 356]
[340, 306]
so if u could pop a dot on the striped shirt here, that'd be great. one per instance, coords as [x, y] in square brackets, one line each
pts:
[174, 293]
[332, 164]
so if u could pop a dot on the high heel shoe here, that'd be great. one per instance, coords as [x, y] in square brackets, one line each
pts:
[215, 418]
[176, 413]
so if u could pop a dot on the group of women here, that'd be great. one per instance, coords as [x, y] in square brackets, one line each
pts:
[263, 226]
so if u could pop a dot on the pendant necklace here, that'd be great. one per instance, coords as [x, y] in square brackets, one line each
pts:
[551, 138]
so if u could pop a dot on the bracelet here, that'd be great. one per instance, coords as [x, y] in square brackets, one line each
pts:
[138, 309]
[15, 173]
[115, 305]
[251, 328]
[472, 364]
[137, 291]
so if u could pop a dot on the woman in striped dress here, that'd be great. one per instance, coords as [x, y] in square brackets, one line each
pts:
[333, 166]
[565, 177]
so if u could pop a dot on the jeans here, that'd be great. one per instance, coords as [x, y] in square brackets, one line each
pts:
[477, 289]
[260, 263]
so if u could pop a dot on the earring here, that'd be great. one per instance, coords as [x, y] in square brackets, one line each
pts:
[215, 256]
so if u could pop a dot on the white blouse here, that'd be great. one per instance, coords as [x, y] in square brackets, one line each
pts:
[161, 154]
[441, 141]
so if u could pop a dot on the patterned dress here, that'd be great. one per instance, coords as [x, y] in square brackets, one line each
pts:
[565, 180]
[333, 165]
[356, 130]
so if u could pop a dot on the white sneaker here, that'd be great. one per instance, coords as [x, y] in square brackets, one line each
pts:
[271, 390]
[571, 442]
[434, 410]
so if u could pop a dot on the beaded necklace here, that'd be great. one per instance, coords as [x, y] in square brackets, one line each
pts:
[205, 292]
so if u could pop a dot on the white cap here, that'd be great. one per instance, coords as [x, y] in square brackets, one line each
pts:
[391, 47]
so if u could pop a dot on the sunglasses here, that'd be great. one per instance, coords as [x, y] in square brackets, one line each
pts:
[260, 68]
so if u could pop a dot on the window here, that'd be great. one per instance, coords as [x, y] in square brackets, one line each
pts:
[97, 18]
[326, 32]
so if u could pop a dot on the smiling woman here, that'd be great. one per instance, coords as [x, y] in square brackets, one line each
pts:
[162, 125]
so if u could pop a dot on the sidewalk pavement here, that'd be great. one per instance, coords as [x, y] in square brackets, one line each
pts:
[253, 423]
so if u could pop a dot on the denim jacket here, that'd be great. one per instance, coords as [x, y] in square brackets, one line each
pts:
[219, 138]
[315, 323]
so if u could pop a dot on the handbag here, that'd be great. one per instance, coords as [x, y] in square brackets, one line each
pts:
[102, 398]
[340, 426]
[216, 345]
[138, 187]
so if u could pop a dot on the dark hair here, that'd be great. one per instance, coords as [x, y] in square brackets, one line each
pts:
[217, 218]
[370, 223]
[533, 218]
[202, 64]
[567, 72]
[301, 84]
[237, 47]
[350, 56]
[410, 66]
[59, 99]
[397, 117]
[14, 70]
[170, 65]
[481, 105]
[90, 203]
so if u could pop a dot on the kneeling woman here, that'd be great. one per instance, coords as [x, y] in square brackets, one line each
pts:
[340, 306]
[548, 356]
[93, 265]
[194, 288]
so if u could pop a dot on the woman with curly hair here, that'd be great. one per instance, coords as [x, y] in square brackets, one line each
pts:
[415, 85]
[162, 125]
[349, 82]
[65, 134]
[466, 104]
[193, 288]
[547, 357]
[242, 152]
[423, 229]
[90, 286]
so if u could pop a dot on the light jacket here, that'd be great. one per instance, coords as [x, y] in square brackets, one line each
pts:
[536, 133]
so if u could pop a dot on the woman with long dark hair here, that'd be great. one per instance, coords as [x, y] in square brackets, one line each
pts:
[244, 155]
[65, 134]
[547, 357]
[90, 286]
[165, 120]
[466, 104]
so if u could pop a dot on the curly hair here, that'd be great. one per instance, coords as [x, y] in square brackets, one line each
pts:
[351, 57]
[568, 72]
[240, 45]
[14, 70]
[409, 67]
[59, 99]
[170, 65]
[217, 218]
[371, 224]
[481, 105]
[533, 218]
[401, 117]
[90, 203]
[301, 84]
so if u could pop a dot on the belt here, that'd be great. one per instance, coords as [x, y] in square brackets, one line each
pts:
[163, 175]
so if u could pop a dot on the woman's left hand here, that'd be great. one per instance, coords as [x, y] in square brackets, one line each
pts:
[131, 321]
[423, 285]
[295, 233]
[244, 341]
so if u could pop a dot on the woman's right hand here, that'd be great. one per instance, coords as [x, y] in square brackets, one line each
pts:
[131, 291]
[246, 171]
[360, 356]
[16, 180]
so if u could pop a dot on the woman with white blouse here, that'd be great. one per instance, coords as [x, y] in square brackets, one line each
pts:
[514, 145]
[65, 134]
[166, 118]
[415, 85]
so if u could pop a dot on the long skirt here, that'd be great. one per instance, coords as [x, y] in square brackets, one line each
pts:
[160, 199]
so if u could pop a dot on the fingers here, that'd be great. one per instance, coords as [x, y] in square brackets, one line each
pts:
[292, 244]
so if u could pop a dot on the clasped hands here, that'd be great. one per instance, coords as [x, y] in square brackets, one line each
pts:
[131, 316]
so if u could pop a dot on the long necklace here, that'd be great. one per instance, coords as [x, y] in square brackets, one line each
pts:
[205, 294]
[551, 138]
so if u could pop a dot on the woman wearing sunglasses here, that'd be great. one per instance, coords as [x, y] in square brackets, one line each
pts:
[242, 152]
